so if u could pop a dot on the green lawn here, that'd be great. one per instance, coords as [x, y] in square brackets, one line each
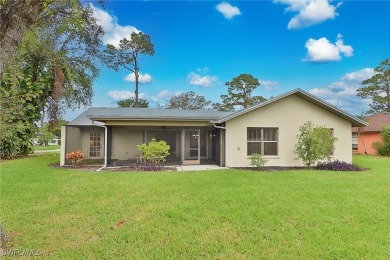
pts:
[211, 214]
[48, 147]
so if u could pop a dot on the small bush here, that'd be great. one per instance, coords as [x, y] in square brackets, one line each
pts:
[383, 147]
[76, 157]
[314, 143]
[154, 152]
[257, 160]
[337, 166]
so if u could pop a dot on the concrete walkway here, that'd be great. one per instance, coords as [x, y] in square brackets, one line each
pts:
[199, 167]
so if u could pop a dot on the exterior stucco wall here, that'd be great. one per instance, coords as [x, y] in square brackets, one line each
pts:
[365, 141]
[287, 115]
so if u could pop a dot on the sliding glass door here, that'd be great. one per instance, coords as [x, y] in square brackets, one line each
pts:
[191, 146]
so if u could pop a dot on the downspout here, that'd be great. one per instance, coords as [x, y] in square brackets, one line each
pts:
[226, 150]
[220, 127]
[105, 146]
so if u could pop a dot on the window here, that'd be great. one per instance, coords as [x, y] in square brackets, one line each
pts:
[94, 145]
[262, 140]
[354, 142]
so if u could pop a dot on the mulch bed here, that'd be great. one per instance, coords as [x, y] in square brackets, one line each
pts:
[116, 168]
[81, 167]
[140, 169]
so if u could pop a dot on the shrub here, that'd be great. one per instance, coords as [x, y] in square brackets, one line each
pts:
[257, 160]
[76, 157]
[314, 143]
[154, 152]
[16, 140]
[337, 166]
[383, 147]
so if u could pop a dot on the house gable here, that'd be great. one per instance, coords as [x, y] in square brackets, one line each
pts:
[305, 95]
[286, 115]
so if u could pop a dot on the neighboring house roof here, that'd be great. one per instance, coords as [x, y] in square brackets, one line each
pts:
[376, 122]
[112, 113]
[303, 94]
[217, 117]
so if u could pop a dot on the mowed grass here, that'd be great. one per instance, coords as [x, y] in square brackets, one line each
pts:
[45, 148]
[210, 214]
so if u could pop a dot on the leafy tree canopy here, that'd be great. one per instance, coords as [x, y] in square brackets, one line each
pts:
[189, 101]
[54, 66]
[20, 16]
[240, 94]
[55, 128]
[130, 102]
[377, 89]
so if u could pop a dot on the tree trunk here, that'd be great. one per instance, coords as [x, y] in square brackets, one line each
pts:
[17, 16]
[136, 73]
[42, 120]
[388, 97]
[360, 134]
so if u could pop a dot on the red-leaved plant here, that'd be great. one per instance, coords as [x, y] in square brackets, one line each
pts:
[76, 157]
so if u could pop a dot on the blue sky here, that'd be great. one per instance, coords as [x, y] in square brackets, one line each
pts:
[324, 47]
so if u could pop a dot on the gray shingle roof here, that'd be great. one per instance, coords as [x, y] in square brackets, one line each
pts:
[102, 113]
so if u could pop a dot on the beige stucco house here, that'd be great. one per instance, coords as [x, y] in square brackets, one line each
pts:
[195, 137]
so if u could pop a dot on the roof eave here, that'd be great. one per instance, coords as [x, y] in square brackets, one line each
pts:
[148, 119]
[356, 122]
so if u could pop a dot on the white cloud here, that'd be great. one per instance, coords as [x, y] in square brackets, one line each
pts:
[309, 12]
[122, 94]
[359, 76]
[228, 10]
[203, 70]
[202, 81]
[113, 31]
[342, 93]
[269, 85]
[161, 95]
[322, 50]
[164, 95]
[142, 78]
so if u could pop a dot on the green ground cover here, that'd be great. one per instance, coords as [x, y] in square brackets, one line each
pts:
[70, 213]
[45, 148]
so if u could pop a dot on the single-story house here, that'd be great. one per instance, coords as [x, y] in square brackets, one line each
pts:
[363, 137]
[224, 138]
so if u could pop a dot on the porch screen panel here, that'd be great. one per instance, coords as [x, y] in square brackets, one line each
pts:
[203, 141]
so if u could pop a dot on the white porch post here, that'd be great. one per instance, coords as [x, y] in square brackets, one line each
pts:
[63, 145]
